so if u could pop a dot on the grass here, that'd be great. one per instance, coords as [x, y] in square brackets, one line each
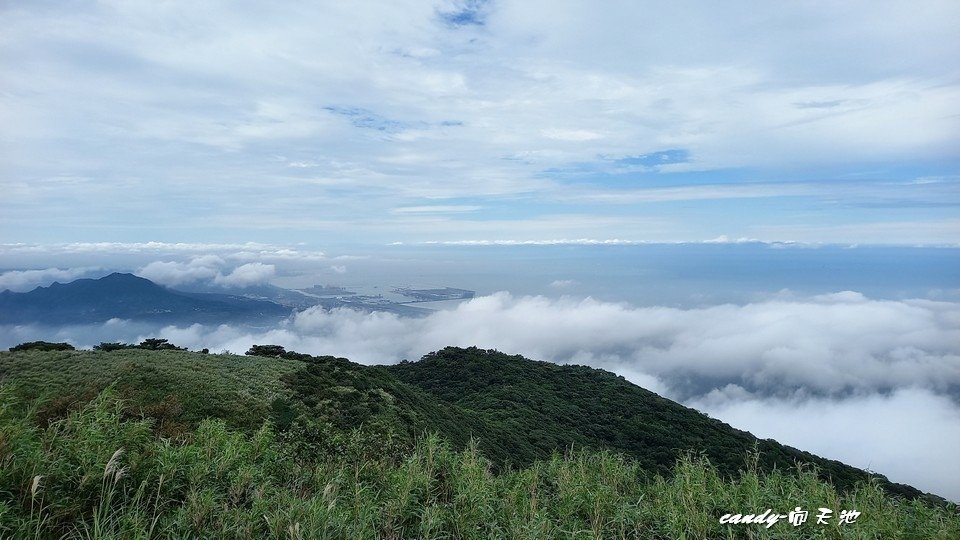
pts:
[170, 386]
[98, 473]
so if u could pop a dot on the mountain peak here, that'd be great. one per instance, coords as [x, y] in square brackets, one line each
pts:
[122, 281]
[124, 276]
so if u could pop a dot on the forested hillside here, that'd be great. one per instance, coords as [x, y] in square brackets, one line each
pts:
[547, 406]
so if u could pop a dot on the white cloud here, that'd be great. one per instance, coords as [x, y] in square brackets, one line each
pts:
[207, 269]
[25, 280]
[724, 239]
[278, 254]
[436, 209]
[135, 247]
[900, 434]
[574, 135]
[412, 113]
[249, 251]
[543, 242]
[694, 193]
[173, 273]
[247, 275]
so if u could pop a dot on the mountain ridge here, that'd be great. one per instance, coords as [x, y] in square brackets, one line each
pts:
[517, 410]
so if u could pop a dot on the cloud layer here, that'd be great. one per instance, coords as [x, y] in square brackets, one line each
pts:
[207, 269]
[413, 121]
[910, 435]
[832, 345]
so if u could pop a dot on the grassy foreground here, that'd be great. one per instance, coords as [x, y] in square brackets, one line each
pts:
[99, 473]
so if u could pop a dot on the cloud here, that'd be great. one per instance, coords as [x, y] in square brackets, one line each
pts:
[696, 193]
[899, 434]
[25, 280]
[207, 269]
[146, 248]
[830, 345]
[574, 135]
[724, 239]
[303, 164]
[83, 336]
[339, 268]
[437, 209]
[543, 242]
[422, 104]
[278, 254]
[820, 104]
[178, 273]
[247, 275]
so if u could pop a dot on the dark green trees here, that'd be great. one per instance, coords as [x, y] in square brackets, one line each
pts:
[271, 351]
[43, 346]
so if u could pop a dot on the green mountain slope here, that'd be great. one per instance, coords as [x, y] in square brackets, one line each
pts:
[518, 410]
[546, 406]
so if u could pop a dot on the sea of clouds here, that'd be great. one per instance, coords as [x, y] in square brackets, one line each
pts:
[874, 383]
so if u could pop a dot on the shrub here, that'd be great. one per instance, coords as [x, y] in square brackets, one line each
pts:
[270, 351]
[156, 344]
[113, 346]
[43, 346]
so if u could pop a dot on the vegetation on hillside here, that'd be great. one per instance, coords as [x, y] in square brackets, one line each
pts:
[177, 389]
[149, 442]
[547, 406]
[99, 474]
[42, 346]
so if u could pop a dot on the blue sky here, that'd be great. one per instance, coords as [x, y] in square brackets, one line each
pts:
[380, 122]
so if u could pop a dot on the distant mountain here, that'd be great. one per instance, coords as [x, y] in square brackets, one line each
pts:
[126, 296]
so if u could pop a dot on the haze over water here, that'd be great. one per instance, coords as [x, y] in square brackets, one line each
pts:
[660, 274]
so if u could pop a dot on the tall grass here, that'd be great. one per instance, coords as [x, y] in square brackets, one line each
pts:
[98, 474]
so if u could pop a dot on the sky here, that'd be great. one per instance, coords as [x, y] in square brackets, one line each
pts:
[719, 201]
[479, 121]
